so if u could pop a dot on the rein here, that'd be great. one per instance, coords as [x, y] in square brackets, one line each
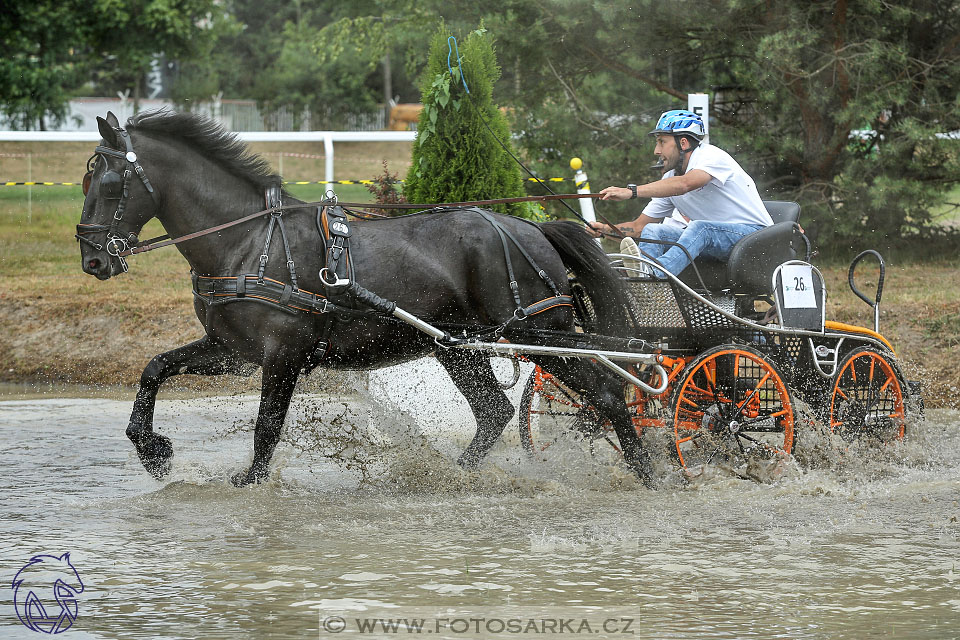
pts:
[122, 247]
[150, 245]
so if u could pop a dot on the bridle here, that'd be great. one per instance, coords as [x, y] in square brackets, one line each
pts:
[114, 187]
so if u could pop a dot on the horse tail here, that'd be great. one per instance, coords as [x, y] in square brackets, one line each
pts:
[606, 296]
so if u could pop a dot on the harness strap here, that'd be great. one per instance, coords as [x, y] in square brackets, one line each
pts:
[335, 231]
[217, 290]
[504, 234]
[272, 196]
[548, 303]
[286, 248]
[266, 249]
[514, 287]
[131, 157]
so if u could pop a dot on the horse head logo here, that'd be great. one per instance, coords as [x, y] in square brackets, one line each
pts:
[45, 593]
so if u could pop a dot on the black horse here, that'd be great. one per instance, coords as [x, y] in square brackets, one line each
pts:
[444, 267]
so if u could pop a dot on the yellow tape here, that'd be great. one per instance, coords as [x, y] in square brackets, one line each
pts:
[295, 182]
[38, 184]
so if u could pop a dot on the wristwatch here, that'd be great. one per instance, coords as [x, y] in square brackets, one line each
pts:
[633, 191]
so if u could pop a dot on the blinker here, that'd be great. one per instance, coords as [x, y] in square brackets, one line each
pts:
[111, 185]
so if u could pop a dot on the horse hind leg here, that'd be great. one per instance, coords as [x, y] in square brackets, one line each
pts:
[203, 357]
[604, 390]
[472, 374]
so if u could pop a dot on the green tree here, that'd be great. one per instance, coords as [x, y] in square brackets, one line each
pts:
[55, 48]
[42, 62]
[457, 154]
[128, 34]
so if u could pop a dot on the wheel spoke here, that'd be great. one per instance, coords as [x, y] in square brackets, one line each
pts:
[760, 443]
[758, 429]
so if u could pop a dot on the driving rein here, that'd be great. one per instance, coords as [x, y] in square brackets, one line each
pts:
[114, 187]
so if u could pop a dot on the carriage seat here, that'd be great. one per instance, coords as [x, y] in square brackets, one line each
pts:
[749, 269]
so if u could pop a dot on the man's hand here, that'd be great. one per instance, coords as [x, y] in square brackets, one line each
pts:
[616, 193]
[596, 229]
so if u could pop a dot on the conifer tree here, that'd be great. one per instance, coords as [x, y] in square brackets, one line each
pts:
[456, 156]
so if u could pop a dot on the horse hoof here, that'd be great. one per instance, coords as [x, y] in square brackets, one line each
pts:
[154, 451]
[643, 468]
[247, 478]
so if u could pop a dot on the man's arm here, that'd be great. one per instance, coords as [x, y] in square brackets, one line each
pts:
[665, 188]
[631, 229]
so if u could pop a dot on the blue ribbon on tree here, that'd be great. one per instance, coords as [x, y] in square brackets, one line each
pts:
[450, 50]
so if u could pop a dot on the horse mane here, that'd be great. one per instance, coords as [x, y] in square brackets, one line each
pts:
[209, 138]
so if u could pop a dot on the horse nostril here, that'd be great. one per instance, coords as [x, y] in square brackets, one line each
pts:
[94, 264]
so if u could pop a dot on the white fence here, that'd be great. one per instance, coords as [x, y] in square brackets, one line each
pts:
[327, 137]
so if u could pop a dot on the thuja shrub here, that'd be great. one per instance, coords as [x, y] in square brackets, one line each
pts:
[458, 155]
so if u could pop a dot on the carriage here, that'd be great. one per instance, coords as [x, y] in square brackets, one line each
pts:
[743, 355]
[721, 357]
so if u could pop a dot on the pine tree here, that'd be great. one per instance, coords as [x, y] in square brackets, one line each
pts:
[456, 156]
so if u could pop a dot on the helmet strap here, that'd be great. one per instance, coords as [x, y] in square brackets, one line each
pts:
[683, 154]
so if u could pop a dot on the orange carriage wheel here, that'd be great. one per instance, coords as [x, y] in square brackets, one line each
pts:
[867, 397]
[550, 411]
[731, 407]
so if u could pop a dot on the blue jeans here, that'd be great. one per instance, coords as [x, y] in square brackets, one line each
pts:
[701, 238]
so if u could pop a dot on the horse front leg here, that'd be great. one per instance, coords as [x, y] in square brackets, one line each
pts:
[280, 375]
[203, 357]
[474, 377]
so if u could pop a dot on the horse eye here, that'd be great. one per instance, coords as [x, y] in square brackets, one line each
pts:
[87, 178]
[111, 185]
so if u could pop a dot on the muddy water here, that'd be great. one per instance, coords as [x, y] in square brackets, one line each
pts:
[366, 518]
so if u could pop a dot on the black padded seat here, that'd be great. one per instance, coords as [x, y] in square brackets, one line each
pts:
[749, 269]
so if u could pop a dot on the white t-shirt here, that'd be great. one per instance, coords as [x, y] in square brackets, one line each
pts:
[730, 196]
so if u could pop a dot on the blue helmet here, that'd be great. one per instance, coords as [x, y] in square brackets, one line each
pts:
[680, 122]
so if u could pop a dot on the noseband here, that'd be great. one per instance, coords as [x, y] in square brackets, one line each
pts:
[113, 187]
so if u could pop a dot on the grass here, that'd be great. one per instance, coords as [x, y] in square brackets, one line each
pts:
[948, 214]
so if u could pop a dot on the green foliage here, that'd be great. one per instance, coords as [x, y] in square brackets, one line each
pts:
[127, 34]
[53, 48]
[41, 63]
[456, 157]
[384, 190]
[850, 97]
[796, 86]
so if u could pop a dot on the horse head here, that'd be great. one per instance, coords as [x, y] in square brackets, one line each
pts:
[45, 593]
[118, 200]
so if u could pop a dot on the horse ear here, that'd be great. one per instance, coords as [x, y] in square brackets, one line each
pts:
[107, 131]
[112, 120]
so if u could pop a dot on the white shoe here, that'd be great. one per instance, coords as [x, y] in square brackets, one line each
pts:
[637, 268]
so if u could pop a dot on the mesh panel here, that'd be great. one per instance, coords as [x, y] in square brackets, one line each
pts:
[702, 316]
[793, 347]
[655, 304]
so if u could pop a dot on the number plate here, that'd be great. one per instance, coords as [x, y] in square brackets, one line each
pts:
[797, 282]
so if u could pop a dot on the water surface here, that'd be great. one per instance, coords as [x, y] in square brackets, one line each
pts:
[366, 516]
